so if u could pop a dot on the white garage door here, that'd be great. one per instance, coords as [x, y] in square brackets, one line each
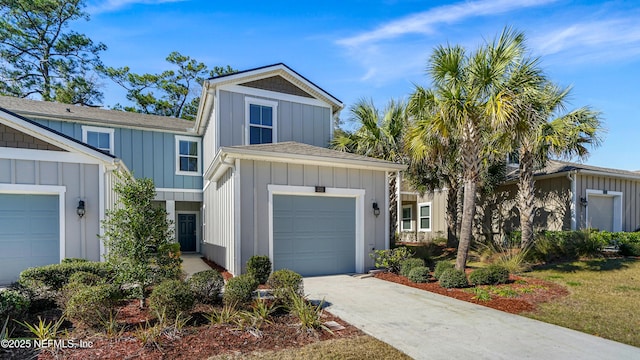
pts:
[601, 212]
[29, 233]
[314, 235]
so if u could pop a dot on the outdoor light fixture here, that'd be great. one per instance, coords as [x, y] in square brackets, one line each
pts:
[583, 201]
[80, 209]
[376, 209]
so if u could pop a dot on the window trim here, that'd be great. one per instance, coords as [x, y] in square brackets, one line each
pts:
[198, 141]
[103, 130]
[248, 101]
[419, 217]
[410, 207]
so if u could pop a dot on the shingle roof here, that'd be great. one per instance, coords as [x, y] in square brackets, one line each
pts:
[558, 167]
[296, 149]
[65, 112]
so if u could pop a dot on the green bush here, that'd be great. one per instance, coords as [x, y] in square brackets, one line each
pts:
[206, 286]
[259, 266]
[73, 260]
[239, 290]
[490, 275]
[90, 305]
[630, 249]
[441, 266]
[282, 282]
[419, 274]
[170, 298]
[55, 276]
[13, 304]
[391, 258]
[452, 278]
[85, 278]
[408, 264]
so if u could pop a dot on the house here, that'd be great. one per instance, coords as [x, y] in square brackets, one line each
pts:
[569, 196]
[252, 175]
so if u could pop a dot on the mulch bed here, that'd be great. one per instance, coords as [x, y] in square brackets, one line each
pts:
[542, 291]
[225, 274]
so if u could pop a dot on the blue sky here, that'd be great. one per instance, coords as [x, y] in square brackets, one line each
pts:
[378, 49]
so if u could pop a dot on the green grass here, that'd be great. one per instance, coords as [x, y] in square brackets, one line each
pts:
[603, 298]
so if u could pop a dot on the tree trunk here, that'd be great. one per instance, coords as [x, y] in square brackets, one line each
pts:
[451, 215]
[459, 210]
[393, 208]
[526, 197]
[467, 223]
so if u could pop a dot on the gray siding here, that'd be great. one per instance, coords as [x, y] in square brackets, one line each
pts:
[219, 222]
[438, 200]
[149, 154]
[630, 198]
[295, 122]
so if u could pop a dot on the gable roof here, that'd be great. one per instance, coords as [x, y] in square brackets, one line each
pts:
[90, 115]
[560, 168]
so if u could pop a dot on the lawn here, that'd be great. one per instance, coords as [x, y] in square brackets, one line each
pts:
[603, 300]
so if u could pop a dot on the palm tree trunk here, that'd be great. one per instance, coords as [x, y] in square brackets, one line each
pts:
[467, 223]
[451, 215]
[393, 209]
[526, 197]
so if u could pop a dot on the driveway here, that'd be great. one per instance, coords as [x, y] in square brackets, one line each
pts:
[425, 325]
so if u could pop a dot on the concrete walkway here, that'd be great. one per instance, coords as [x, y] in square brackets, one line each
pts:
[425, 325]
[192, 263]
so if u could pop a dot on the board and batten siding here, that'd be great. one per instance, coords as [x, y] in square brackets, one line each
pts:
[630, 197]
[147, 154]
[438, 200]
[298, 122]
[81, 182]
[257, 175]
[219, 221]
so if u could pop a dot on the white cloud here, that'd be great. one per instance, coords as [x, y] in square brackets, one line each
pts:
[96, 7]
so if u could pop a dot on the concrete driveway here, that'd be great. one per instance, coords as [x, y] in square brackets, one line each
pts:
[425, 325]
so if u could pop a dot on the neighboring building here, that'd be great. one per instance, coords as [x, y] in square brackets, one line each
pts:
[251, 176]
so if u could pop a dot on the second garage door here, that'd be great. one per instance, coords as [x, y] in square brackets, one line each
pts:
[314, 235]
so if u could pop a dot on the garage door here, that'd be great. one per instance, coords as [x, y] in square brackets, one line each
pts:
[601, 212]
[29, 233]
[314, 235]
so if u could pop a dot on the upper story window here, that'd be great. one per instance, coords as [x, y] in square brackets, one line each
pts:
[188, 155]
[261, 121]
[424, 216]
[98, 137]
[407, 216]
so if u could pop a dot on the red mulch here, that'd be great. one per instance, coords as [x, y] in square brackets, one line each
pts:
[225, 274]
[543, 291]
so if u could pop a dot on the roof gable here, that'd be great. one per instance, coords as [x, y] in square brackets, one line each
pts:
[278, 84]
[13, 138]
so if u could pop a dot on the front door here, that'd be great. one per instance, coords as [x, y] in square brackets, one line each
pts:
[187, 232]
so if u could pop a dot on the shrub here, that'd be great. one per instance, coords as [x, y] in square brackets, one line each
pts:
[13, 303]
[206, 286]
[407, 265]
[308, 314]
[170, 298]
[259, 266]
[630, 249]
[90, 304]
[239, 290]
[441, 266]
[86, 278]
[490, 275]
[282, 282]
[73, 260]
[419, 274]
[452, 278]
[391, 258]
[55, 276]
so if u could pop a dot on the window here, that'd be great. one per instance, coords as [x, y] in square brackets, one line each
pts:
[261, 118]
[99, 138]
[407, 217]
[188, 154]
[424, 217]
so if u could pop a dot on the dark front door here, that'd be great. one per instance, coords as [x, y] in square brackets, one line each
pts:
[187, 232]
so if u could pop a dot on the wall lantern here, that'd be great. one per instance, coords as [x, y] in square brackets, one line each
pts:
[376, 209]
[80, 209]
[583, 201]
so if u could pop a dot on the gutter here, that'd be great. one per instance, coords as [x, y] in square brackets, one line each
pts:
[219, 166]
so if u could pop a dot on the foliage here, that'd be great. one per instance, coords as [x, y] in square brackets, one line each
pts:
[90, 304]
[41, 56]
[73, 260]
[308, 314]
[171, 297]
[239, 290]
[282, 282]
[490, 275]
[55, 276]
[552, 246]
[480, 294]
[206, 286]
[137, 237]
[77, 281]
[507, 253]
[169, 93]
[442, 266]
[453, 278]
[419, 274]
[630, 249]
[259, 266]
[225, 315]
[44, 330]
[391, 258]
[409, 264]
[13, 303]
[263, 309]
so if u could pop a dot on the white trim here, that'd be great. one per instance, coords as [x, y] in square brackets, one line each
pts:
[170, 208]
[196, 191]
[574, 199]
[44, 190]
[248, 101]
[387, 215]
[237, 215]
[617, 206]
[196, 140]
[198, 227]
[357, 194]
[419, 217]
[45, 155]
[410, 229]
[398, 201]
[101, 207]
[102, 130]
[275, 95]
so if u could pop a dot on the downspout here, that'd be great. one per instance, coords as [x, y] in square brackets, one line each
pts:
[571, 176]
